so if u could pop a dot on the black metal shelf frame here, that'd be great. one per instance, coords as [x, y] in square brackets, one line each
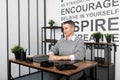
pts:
[109, 49]
[52, 40]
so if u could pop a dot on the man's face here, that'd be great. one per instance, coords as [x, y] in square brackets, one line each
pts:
[68, 30]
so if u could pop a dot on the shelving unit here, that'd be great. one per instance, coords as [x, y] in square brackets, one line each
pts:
[52, 38]
[105, 55]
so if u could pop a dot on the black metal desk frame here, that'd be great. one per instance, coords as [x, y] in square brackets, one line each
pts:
[42, 70]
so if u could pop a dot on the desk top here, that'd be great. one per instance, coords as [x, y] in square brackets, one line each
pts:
[81, 66]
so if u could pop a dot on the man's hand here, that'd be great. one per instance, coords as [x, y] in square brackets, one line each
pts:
[54, 57]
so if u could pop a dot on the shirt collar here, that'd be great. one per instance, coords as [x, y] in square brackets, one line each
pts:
[72, 37]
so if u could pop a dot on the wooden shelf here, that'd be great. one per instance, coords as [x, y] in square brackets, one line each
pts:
[50, 40]
[102, 65]
[99, 43]
[105, 65]
[51, 27]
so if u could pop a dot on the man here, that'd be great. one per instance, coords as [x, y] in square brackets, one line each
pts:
[71, 47]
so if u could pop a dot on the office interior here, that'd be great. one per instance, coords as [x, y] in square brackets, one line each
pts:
[21, 22]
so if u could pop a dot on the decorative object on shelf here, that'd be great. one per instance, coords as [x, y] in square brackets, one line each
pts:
[51, 22]
[97, 36]
[19, 52]
[108, 37]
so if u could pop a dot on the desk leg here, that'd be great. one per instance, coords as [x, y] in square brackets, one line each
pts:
[95, 72]
[91, 73]
[41, 75]
[67, 78]
[9, 70]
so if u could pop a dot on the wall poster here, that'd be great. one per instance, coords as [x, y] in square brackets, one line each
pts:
[93, 16]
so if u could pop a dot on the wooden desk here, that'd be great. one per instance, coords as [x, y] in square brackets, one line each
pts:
[67, 73]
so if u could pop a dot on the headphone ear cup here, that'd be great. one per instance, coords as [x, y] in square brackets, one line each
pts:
[46, 64]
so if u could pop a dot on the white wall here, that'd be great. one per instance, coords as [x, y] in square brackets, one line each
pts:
[13, 31]
[3, 44]
[54, 12]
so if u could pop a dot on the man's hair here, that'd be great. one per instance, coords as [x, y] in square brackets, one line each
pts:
[69, 22]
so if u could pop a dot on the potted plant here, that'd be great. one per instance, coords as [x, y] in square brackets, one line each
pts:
[17, 50]
[51, 22]
[108, 37]
[96, 36]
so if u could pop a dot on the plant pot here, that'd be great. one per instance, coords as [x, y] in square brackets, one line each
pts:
[51, 24]
[108, 40]
[20, 56]
[23, 56]
[17, 56]
[97, 40]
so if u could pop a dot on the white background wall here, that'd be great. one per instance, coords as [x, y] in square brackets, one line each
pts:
[13, 31]
[53, 10]
[3, 44]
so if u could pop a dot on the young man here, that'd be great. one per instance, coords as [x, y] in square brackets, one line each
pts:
[71, 47]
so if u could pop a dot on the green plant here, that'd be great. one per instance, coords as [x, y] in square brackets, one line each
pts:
[108, 37]
[97, 36]
[17, 49]
[51, 22]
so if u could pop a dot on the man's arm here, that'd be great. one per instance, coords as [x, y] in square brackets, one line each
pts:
[54, 57]
[79, 53]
